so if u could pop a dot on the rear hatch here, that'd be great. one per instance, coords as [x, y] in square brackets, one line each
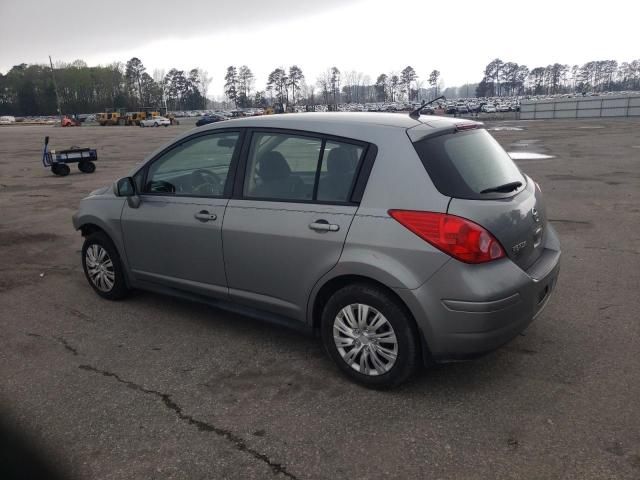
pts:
[467, 164]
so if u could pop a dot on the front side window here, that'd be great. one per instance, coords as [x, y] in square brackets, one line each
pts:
[197, 167]
[293, 167]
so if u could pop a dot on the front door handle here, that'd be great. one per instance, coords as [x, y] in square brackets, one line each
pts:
[324, 226]
[205, 216]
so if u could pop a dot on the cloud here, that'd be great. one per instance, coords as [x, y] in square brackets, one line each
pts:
[30, 30]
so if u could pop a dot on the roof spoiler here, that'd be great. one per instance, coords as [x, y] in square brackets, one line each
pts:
[438, 126]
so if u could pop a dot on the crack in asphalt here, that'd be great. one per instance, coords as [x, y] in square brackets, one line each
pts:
[66, 345]
[237, 441]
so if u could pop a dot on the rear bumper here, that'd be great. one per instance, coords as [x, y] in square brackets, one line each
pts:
[465, 310]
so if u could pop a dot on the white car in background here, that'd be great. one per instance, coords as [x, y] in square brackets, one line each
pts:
[489, 108]
[155, 122]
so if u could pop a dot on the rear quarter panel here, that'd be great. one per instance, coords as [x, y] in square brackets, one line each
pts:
[377, 246]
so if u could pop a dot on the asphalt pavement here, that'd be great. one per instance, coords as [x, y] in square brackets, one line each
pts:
[157, 388]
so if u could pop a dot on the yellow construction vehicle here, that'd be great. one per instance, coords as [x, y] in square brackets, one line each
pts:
[108, 118]
[120, 117]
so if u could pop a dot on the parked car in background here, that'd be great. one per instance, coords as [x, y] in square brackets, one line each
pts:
[454, 264]
[473, 107]
[155, 122]
[207, 119]
[488, 108]
[503, 108]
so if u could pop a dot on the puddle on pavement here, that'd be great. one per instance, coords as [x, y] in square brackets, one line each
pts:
[591, 126]
[529, 156]
[500, 129]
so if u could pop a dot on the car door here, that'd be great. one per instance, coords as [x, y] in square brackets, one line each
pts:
[173, 237]
[288, 219]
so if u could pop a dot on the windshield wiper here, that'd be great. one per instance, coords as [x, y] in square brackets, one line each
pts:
[507, 187]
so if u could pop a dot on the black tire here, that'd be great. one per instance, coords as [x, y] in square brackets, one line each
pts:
[87, 167]
[155, 124]
[61, 169]
[119, 289]
[408, 346]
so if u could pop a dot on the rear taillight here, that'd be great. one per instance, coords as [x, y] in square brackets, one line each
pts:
[456, 236]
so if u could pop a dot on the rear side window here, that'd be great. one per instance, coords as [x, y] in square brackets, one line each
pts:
[295, 167]
[282, 166]
[338, 171]
[464, 164]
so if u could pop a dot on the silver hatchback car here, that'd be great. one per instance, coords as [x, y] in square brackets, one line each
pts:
[401, 240]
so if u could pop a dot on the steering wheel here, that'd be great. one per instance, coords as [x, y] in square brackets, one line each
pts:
[206, 182]
[160, 186]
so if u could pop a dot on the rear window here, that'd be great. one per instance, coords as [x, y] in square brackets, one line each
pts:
[463, 164]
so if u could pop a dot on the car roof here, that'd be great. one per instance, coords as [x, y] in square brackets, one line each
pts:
[316, 120]
[343, 124]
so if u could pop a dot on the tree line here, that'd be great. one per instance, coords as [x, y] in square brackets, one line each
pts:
[509, 78]
[290, 86]
[29, 89]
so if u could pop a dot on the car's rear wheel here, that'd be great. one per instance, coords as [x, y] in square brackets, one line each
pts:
[103, 267]
[155, 124]
[370, 335]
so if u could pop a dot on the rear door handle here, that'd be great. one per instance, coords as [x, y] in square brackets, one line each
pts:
[324, 226]
[205, 216]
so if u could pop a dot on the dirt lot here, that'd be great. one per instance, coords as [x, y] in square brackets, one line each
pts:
[153, 387]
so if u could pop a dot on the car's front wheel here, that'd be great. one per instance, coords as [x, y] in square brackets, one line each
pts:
[370, 335]
[102, 267]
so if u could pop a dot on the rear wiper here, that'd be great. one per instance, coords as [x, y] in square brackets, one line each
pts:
[507, 187]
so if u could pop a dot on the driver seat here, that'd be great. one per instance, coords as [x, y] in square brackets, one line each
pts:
[276, 178]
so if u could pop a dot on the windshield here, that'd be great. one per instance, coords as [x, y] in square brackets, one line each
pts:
[465, 164]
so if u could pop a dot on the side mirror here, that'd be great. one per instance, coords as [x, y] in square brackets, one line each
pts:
[125, 187]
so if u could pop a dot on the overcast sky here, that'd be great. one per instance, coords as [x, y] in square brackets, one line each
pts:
[372, 36]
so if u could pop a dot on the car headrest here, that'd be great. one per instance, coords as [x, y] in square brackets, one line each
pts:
[273, 166]
[340, 160]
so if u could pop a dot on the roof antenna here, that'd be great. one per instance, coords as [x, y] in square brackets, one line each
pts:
[416, 113]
